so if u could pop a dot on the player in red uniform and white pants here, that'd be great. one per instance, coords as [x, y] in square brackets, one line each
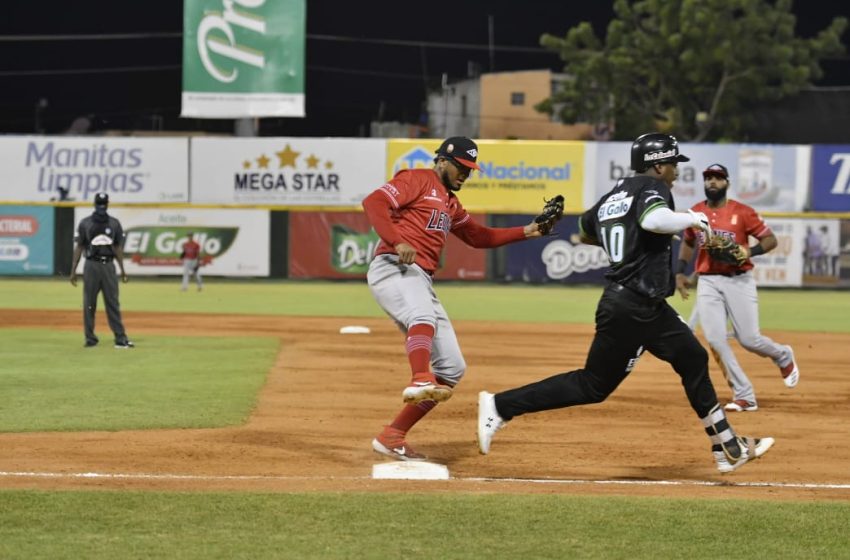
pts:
[413, 214]
[191, 256]
[729, 291]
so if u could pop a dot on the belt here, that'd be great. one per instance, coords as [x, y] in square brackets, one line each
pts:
[104, 260]
[393, 258]
[633, 294]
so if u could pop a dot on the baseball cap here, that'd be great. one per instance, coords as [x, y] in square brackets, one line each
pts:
[101, 199]
[717, 170]
[461, 149]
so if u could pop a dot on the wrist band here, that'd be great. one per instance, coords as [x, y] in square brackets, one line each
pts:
[680, 268]
[756, 250]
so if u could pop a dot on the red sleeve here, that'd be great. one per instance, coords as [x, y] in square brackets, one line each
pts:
[378, 209]
[756, 226]
[482, 237]
[383, 202]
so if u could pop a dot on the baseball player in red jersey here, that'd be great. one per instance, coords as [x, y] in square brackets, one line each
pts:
[413, 214]
[729, 290]
[191, 256]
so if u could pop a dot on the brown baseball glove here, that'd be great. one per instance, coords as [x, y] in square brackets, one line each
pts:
[722, 249]
[553, 211]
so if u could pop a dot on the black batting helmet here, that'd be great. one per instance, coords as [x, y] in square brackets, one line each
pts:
[655, 147]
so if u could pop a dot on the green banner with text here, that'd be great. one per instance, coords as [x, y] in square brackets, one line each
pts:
[243, 58]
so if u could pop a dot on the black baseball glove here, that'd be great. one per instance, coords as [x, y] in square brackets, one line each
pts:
[722, 249]
[553, 211]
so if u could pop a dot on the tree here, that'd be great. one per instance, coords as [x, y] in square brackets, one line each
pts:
[695, 68]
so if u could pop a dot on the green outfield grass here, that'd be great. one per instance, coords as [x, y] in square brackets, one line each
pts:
[108, 525]
[192, 381]
[49, 382]
[801, 310]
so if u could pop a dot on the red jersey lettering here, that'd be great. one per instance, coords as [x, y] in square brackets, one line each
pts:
[734, 220]
[415, 207]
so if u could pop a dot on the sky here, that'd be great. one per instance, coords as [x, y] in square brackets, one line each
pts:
[49, 79]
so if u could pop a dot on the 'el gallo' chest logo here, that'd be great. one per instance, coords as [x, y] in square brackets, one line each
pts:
[614, 207]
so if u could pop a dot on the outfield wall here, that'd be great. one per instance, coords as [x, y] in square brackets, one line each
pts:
[290, 207]
[37, 240]
[337, 173]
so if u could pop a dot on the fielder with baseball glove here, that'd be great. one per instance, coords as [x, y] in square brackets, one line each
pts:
[722, 249]
[727, 288]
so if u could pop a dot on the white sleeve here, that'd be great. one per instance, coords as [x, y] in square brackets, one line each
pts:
[664, 220]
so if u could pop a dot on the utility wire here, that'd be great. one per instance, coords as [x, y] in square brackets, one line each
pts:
[67, 71]
[312, 36]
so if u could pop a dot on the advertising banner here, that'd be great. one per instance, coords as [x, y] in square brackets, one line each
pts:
[821, 250]
[233, 242]
[26, 240]
[286, 171]
[515, 176]
[784, 265]
[243, 58]
[342, 244]
[130, 170]
[770, 178]
[558, 258]
[842, 266]
[831, 178]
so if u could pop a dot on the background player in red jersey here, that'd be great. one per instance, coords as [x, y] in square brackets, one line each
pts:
[191, 256]
[413, 214]
[729, 290]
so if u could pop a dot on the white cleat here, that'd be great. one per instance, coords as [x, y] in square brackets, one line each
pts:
[489, 421]
[751, 449]
[790, 373]
[419, 391]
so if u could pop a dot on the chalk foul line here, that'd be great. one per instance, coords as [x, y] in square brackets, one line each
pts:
[577, 482]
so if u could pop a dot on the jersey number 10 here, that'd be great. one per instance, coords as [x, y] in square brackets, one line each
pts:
[613, 240]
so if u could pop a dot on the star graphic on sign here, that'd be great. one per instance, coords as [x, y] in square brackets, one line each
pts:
[287, 156]
[313, 162]
[263, 162]
[329, 165]
[246, 164]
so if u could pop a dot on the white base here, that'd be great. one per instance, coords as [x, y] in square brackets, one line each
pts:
[354, 329]
[410, 470]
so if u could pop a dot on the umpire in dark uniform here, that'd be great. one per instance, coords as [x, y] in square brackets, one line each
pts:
[101, 237]
[634, 223]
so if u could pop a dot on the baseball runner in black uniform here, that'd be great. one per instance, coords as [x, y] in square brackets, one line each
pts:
[101, 237]
[634, 223]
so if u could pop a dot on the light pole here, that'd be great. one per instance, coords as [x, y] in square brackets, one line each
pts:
[40, 106]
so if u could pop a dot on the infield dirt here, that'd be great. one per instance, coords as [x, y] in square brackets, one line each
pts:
[329, 394]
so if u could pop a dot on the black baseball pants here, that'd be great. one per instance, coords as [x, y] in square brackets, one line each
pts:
[627, 324]
[99, 276]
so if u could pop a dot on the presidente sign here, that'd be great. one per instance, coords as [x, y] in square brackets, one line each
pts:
[130, 170]
[286, 171]
[515, 176]
[243, 58]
